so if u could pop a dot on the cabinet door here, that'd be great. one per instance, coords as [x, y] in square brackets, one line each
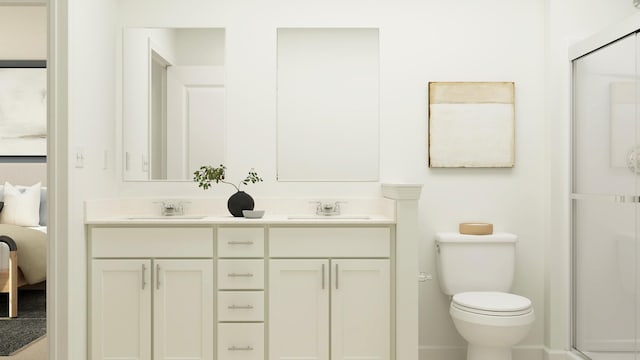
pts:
[298, 309]
[121, 309]
[183, 309]
[360, 310]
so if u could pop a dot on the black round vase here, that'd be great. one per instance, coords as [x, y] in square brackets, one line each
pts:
[238, 202]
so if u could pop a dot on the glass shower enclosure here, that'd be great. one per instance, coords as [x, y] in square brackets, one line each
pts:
[604, 201]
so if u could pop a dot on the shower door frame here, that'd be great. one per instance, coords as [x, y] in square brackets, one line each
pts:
[576, 51]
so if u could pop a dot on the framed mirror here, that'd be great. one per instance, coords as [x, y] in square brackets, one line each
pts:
[327, 104]
[173, 101]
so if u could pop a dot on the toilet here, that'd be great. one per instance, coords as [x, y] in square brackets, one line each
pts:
[477, 271]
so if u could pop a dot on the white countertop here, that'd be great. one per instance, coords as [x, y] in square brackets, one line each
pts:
[203, 211]
[230, 220]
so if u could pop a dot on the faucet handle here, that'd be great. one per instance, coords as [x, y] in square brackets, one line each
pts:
[318, 205]
[336, 205]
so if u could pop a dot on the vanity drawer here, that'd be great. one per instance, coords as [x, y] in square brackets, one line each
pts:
[136, 242]
[241, 306]
[365, 242]
[241, 242]
[241, 274]
[241, 341]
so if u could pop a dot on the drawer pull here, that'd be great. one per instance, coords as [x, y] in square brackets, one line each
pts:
[236, 307]
[240, 275]
[235, 348]
[240, 242]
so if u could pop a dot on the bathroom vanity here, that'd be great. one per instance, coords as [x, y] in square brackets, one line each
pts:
[279, 287]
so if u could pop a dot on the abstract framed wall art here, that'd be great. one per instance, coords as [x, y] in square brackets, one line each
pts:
[471, 124]
[23, 109]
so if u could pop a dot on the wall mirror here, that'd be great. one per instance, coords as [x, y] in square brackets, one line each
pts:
[327, 104]
[173, 101]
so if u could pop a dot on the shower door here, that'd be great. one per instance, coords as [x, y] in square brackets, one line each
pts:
[605, 164]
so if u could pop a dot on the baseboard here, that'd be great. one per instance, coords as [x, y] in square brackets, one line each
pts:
[550, 354]
[528, 353]
[573, 356]
[442, 353]
[460, 353]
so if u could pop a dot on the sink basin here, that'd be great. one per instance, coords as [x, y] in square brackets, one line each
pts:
[332, 217]
[160, 217]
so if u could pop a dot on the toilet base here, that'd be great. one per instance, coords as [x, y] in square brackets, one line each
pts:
[478, 352]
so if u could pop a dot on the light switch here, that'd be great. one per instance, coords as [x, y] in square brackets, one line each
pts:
[79, 158]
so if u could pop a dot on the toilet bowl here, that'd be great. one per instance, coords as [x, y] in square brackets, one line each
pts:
[491, 322]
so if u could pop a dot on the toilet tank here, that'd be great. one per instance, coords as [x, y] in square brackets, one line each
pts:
[475, 262]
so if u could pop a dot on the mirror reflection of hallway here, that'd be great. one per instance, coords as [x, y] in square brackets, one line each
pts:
[173, 102]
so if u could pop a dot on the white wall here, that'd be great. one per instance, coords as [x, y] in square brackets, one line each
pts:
[23, 173]
[92, 132]
[23, 32]
[420, 41]
[23, 36]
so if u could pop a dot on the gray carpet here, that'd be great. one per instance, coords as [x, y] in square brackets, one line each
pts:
[30, 325]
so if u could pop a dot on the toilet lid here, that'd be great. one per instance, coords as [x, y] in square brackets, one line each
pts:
[497, 303]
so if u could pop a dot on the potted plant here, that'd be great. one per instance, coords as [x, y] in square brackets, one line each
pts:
[238, 201]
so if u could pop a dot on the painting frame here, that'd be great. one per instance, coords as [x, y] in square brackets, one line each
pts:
[471, 124]
[23, 107]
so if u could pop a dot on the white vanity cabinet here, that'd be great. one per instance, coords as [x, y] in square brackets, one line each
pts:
[241, 286]
[151, 285]
[120, 309]
[330, 293]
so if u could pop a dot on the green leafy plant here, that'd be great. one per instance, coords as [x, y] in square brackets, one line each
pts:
[208, 174]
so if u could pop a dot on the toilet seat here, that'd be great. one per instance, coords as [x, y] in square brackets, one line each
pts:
[492, 303]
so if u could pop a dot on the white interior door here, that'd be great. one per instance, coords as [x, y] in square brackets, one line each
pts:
[298, 310]
[183, 309]
[121, 309]
[195, 119]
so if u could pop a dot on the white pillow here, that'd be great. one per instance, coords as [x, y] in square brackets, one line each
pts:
[21, 208]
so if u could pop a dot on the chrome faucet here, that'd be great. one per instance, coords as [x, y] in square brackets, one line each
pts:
[328, 209]
[172, 209]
